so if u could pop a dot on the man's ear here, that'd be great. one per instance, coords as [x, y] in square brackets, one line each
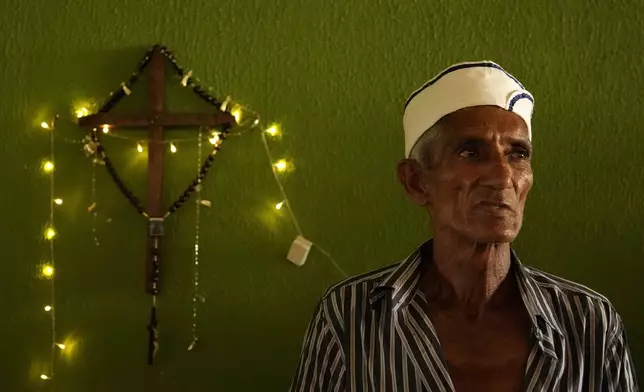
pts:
[412, 177]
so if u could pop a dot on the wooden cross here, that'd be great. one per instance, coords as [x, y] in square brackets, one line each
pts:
[156, 119]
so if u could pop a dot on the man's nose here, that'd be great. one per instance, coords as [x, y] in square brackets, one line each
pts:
[497, 172]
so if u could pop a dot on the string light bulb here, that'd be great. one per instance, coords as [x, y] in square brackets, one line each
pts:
[215, 138]
[139, 147]
[58, 201]
[106, 128]
[173, 148]
[44, 377]
[47, 308]
[224, 105]
[44, 125]
[50, 233]
[279, 205]
[281, 165]
[60, 346]
[48, 166]
[47, 271]
[237, 114]
[82, 112]
[273, 130]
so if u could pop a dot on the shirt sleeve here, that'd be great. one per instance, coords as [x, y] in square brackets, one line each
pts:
[619, 372]
[321, 365]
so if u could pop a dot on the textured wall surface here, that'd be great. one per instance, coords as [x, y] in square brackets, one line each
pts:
[334, 74]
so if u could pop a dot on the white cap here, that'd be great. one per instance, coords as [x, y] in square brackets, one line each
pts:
[460, 86]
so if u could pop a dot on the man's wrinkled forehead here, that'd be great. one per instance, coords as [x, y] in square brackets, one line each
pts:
[484, 123]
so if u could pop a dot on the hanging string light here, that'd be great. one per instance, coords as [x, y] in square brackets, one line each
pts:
[92, 208]
[301, 246]
[195, 278]
[50, 233]
[281, 165]
[237, 113]
[273, 130]
[82, 112]
[48, 166]
[48, 269]
[214, 139]
[244, 116]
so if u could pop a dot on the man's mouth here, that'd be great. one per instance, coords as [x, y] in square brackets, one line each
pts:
[494, 205]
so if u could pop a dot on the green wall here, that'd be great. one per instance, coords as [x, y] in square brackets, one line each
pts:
[335, 75]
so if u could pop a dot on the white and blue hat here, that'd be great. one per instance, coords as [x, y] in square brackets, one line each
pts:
[460, 86]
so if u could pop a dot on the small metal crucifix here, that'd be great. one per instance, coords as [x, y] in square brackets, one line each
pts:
[156, 120]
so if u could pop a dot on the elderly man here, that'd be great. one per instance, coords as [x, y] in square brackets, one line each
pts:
[462, 313]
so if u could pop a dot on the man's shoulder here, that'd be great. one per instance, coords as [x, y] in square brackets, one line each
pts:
[360, 285]
[567, 288]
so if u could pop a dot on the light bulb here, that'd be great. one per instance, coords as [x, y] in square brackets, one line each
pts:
[279, 205]
[281, 165]
[47, 308]
[139, 147]
[58, 201]
[60, 345]
[82, 112]
[224, 105]
[106, 128]
[215, 138]
[44, 377]
[173, 148]
[48, 270]
[44, 125]
[237, 114]
[273, 130]
[48, 166]
[50, 233]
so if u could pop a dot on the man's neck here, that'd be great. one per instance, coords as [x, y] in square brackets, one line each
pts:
[466, 276]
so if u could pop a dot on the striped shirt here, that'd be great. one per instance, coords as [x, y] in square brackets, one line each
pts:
[370, 333]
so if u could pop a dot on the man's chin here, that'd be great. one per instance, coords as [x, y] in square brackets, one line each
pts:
[494, 235]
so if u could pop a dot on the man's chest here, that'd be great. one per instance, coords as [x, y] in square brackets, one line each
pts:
[489, 355]
[406, 351]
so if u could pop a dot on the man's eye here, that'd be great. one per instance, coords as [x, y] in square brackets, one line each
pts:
[467, 153]
[520, 154]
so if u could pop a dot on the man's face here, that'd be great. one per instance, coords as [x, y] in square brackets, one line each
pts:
[479, 174]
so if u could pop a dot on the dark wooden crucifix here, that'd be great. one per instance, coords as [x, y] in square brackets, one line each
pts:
[156, 119]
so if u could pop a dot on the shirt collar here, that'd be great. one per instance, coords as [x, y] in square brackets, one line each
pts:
[401, 285]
